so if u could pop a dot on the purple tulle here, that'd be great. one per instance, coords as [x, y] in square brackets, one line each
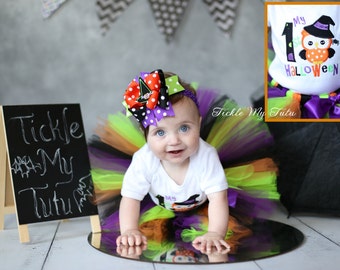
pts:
[107, 161]
[111, 223]
[238, 148]
[205, 99]
[274, 92]
[185, 221]
[251, 205]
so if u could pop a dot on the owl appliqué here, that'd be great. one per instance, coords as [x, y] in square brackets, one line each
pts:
[317, 40]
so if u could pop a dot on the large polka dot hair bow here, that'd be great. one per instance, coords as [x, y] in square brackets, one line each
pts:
[147, 97]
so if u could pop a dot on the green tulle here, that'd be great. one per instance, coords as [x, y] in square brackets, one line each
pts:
[189, 235]
[217, 138]
[156, 249]
[261, 184]
[278, 103]
[240, 123]
[126, 128]
[156, 212]
[106, 179]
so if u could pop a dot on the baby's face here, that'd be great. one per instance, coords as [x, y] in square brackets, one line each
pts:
[175, 139]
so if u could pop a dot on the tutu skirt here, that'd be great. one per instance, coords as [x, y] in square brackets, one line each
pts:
[283, 103]
[244, 145]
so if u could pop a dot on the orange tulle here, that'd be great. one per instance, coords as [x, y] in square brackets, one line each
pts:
[111, 137]
[265, 165]
[105, 195]
[155, 230]
[239, 231]
[291, 110]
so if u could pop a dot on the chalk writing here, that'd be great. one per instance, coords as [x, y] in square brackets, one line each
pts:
[49, 162]
[24, 165]
[52, 130]
[57, 205]
[64, 164]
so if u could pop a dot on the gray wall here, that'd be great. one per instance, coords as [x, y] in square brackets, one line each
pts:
[65, 59]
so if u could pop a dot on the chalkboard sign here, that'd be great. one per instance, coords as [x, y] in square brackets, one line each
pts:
[49, 162]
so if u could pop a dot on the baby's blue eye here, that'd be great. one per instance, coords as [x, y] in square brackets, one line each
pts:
[160, 133]
[184, 128]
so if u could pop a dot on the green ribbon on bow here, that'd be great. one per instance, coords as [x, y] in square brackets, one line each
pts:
[173, 85]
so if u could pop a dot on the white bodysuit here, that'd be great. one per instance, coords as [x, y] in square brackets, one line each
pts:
[146, 174]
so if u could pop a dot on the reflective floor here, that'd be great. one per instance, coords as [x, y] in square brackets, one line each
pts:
[268, 238]
[64, 245]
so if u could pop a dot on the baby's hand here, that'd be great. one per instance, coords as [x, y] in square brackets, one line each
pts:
[207, 242]
[131, 238]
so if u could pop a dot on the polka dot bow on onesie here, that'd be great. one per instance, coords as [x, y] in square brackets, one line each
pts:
[147, 97]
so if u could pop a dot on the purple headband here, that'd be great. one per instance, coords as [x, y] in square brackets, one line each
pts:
[191, 95]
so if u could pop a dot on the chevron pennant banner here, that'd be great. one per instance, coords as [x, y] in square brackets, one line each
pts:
[48, 7]
[223, 13]
[109, 10]
[168, 15]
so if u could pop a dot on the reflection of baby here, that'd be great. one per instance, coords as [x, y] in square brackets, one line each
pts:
[182, 255]
[304, 77]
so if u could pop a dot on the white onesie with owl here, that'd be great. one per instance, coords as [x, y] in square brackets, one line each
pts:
[146, 175]
[305, 39]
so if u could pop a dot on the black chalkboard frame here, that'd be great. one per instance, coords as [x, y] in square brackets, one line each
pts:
[54, 133]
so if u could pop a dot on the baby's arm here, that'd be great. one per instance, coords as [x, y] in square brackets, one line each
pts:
[128, 218]
[218, 213]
